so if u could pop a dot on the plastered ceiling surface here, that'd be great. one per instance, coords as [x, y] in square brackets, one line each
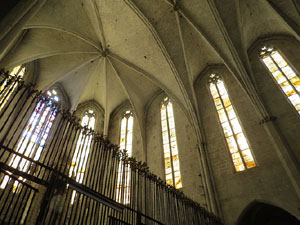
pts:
[113, 51]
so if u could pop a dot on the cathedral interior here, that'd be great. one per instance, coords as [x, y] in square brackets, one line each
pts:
[159, 112]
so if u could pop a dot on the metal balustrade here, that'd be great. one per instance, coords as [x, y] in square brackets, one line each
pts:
[37, 187]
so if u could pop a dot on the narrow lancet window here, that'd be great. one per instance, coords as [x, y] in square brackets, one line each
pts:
[82, 149]
[238, 145]
[9, 84]
[123, 183]
[172, 169]
[126, 132]
[34, 136]
[284, 75]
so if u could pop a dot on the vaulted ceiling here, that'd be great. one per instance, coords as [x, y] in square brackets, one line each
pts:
[113, 51]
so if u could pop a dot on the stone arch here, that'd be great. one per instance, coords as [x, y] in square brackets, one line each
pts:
[186, 142]
[115, 126]
[262, 213]
[99, 113]
[65, 101]
[274, 99]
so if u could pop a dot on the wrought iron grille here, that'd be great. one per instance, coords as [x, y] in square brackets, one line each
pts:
[38, 189]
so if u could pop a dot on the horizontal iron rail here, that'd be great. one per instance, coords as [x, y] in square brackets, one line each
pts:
[28, 158]
[23, 174]
[95, 195]
[144, 215]
[16, 179]
[73, 184]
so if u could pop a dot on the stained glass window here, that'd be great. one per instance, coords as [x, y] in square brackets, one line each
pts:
[284, 75]
[172, 168]
[10, 84]
[34, 136]
[82, 149]
[126, 133]
[237, 143]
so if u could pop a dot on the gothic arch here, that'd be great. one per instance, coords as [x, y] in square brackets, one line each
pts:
[220, 69]
[263, 213]
[65, 101]
[99, 113]
[274, 99]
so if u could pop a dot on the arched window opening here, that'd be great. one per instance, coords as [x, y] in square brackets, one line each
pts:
[126, 134]
[10, 83]
[172, 169]
[35, 134]
[284, 75]
[237, 143]
[80, 157]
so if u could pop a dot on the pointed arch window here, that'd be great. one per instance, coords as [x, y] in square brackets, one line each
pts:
[10, 83]
[35, 134]
[126, 134]
[284, 75]
[172, 169]
[82, 150]
[236, 140]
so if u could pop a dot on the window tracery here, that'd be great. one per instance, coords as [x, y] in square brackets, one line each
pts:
[238, 145]
[172, 168]
[284, 75]
[126, 134]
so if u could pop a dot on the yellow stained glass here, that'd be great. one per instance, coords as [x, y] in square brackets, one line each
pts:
[171, 122]
[296, 82]
[126, 138]
[222, 115]
[248, 158]
[227, 129]
[166, 148]
[295, 99]
[178, 183]
[170, 111]
[236, 126]
[165, 135]
[218, 103]
[170, 144]
[164, 125]
[230, 112]
[285, 76]
[232, 144]
[230, 124]
[168, 170]
[214, 91]
[221, 88]
[278, 59]
[226, 100]
[168, 162]
[174, 150]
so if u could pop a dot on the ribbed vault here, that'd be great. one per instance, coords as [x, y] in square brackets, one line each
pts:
[113, 51]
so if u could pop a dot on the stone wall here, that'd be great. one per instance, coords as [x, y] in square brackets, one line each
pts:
[268, 182]
[186, 141]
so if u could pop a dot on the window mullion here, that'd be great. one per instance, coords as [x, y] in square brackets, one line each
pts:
[288, 80]
[170, 147]
[126, 132]
[229, 122]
